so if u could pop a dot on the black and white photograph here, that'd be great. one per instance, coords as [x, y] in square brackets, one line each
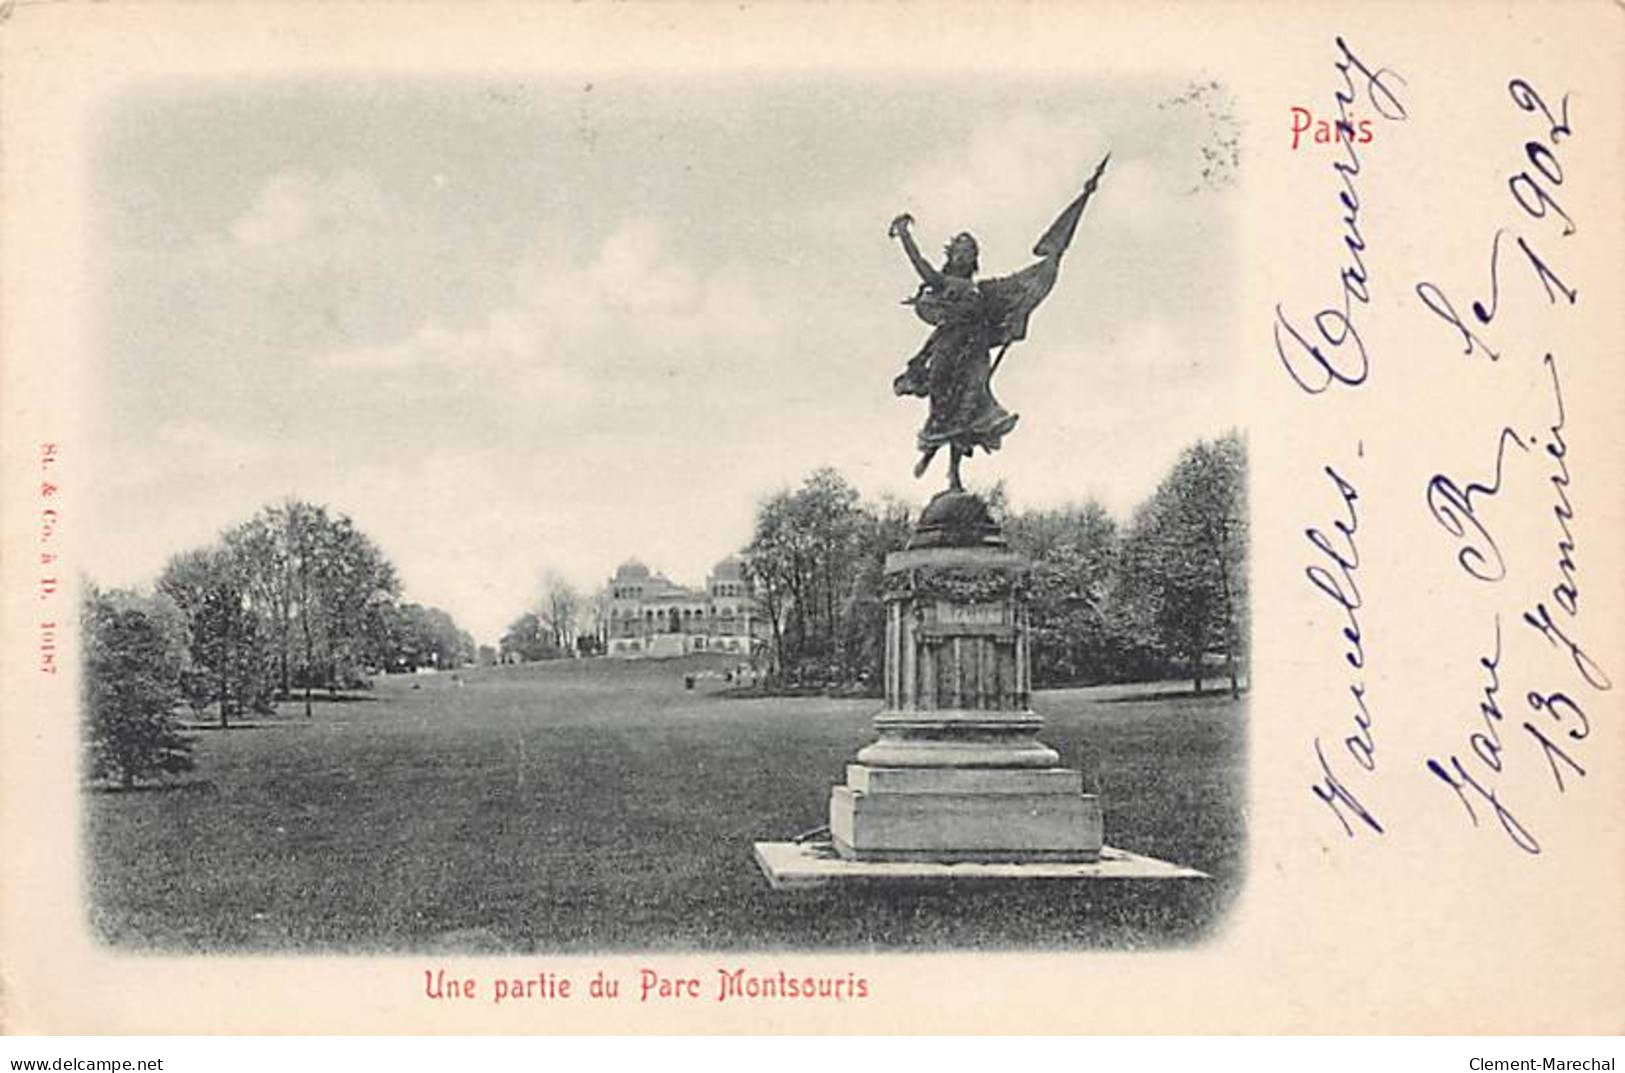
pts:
[545, 515]
[684, 519]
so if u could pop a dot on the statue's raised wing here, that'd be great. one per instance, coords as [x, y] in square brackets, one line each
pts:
[1013, 298]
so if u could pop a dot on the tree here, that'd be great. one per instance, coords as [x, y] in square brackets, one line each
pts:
[527, 640]
[354, 584]
[826, 511]
[321, 588]
[884, 528]
[421, 636]
[801, 561]
[134, 657]
[229, 655]
[294, 595]
[1230, 535]
[558, 611]
[593, 627]
[301, 532]
[1184, 562]
[1073, 551]
[260, 545]
[769, 566]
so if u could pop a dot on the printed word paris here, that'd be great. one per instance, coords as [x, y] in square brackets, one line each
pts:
[1328, 129]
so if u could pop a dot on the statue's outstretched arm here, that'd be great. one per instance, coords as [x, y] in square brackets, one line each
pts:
[899, 230]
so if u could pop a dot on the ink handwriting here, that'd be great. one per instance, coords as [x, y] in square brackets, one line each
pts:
[1319, 359]
[1334, 577]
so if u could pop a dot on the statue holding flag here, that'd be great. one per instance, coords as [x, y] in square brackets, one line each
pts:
[971, 317]
[957, 773]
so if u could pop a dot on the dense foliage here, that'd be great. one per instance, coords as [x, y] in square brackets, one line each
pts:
[1167, 594]
[297, 598]
[416, 636]
[134, 663]
[815, 566]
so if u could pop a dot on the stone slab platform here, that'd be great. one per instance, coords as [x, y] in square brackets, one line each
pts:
[957, 826]
[807, 865]
[969, 780]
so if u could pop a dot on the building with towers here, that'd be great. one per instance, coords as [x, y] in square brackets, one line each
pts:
[649, 615]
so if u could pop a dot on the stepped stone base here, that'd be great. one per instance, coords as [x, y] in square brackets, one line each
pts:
[964, 814]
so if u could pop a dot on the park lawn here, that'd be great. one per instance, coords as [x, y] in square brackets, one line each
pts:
[598, 805]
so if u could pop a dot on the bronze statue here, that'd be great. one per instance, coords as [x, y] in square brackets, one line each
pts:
[970, 317]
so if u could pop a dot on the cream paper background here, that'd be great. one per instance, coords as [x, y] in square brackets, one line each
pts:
[1435, 927]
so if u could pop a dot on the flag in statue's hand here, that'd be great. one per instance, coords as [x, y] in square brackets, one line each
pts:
[1022, 292]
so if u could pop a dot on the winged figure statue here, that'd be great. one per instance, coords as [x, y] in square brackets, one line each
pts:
[970, 318]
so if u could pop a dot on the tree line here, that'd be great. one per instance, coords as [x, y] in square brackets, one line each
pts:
[1165, 595]
[293, 600]
[297, 599]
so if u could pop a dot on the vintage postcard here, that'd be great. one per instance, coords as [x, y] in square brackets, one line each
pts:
[766, 518]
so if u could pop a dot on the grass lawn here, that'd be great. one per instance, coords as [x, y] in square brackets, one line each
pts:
[598, 805]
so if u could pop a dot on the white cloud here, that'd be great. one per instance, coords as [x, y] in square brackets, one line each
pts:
[637, 290]
[621, 320]
[296, 207]
[1006, 181]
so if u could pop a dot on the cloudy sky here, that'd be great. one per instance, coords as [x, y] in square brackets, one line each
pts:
[512, 326]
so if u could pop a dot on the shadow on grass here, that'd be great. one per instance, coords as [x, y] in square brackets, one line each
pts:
[1175, 694]
[739, 693]
[245, 724]
[177, 786]
[753, 693]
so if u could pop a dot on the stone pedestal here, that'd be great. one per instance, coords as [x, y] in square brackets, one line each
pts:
[958, 772]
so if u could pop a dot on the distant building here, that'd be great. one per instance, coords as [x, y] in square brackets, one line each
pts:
[649, 615]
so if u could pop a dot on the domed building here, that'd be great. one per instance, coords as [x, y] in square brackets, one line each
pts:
[649, 615]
